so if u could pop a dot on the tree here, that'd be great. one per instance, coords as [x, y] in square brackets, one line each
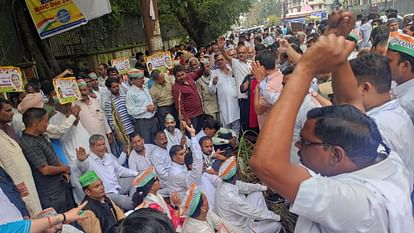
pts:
[204, 20]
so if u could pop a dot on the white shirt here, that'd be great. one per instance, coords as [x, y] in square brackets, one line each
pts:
[179, 178]
[175, 139]
[213, 222]
[226, 90]
[397, 131]
[74, 137]
[108, 170]
[139, 162]
[405, 93]
[161, 160]
[343, 203]
[137, 100]
[240, 71]
[232, 205]
[8, 211]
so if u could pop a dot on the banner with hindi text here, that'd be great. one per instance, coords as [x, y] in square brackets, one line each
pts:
[67, 90]
[52, 17]
[11, 79]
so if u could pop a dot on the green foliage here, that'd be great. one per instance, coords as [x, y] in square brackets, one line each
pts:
[273, 20]
[204, 20]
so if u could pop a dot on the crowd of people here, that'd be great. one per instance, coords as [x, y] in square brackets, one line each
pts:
[333, 106]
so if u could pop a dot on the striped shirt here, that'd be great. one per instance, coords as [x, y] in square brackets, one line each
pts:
[120, 107]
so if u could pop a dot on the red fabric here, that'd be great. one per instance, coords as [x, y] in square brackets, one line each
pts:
[253, 123]
[190, 98]
[176, 220]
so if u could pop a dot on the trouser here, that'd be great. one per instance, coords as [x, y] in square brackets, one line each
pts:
[163, 111]
[147, 128]
[244, 113]
[123, 198]
[61, 202]
[197, 122]
[235, 126]
[267, 226]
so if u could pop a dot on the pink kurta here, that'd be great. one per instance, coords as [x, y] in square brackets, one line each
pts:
[270, 89]
[93, 119]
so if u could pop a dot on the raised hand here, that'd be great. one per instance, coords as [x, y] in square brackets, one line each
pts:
[340, 23]
[258, 71]
[76, 213]
[75, 110]
[81, 154]
[325, 56]
[189, 129]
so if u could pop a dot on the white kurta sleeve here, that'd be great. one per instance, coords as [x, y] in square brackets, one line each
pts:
[211, 87]
[132, 162]
[241, 207]
[194, 176]
[247, 188]
[160, 167]
[123, 171]
[56, 131]
[83, 165]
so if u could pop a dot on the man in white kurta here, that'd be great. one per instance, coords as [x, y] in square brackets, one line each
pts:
[247, 212]
[138, 159]
[174, 135]
[161, 160]
[179, 177]
[92, 116]
[116, 178]
[225, 87]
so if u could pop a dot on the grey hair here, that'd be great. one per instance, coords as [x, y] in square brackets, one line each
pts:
[95, 138]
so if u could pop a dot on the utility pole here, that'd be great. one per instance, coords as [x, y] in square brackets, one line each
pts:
[149, 12]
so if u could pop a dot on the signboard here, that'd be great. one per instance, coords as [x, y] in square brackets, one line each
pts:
[11, 79]
[52, 17]
[160, 61]
[67, 90]
[121, 64]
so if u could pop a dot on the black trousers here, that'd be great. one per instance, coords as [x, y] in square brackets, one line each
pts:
[61, 202]
[244, 114]
[197, 122]
[147, 128]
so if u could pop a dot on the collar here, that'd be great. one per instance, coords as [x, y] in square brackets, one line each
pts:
[96, 157]
[403, 88]
[388, 106]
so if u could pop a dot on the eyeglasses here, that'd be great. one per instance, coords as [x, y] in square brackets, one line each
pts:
[303, 142]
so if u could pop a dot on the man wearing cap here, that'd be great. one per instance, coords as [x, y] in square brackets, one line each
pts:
[174, 135]
[161, 93]
[141, 107]
[161, 160]
[401, 54]
[92, 116]
[116, 178]
[100, 210]
[200, 218]
[249, 213]
[393, 25]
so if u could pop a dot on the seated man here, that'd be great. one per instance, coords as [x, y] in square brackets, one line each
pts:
[209, 129]
[179, 177]
[209, 155]
[138, 159]
[161, 160]
[345, 182]
[249, 213]
[109, 170]
[100, 210]
[174, 135]
[200, 217]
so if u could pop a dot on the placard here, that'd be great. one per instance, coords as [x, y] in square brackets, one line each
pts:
[11, 79]
[52, 17]
[160, 61]
[67, 90]
[121, 64]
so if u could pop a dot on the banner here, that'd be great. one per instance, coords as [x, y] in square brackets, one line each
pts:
[52, 17]
[94, 8]
[11, 79]
[160, 61]
[121, 64]
[67, 90]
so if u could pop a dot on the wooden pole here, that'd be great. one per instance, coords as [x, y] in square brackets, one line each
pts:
[149, 12]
